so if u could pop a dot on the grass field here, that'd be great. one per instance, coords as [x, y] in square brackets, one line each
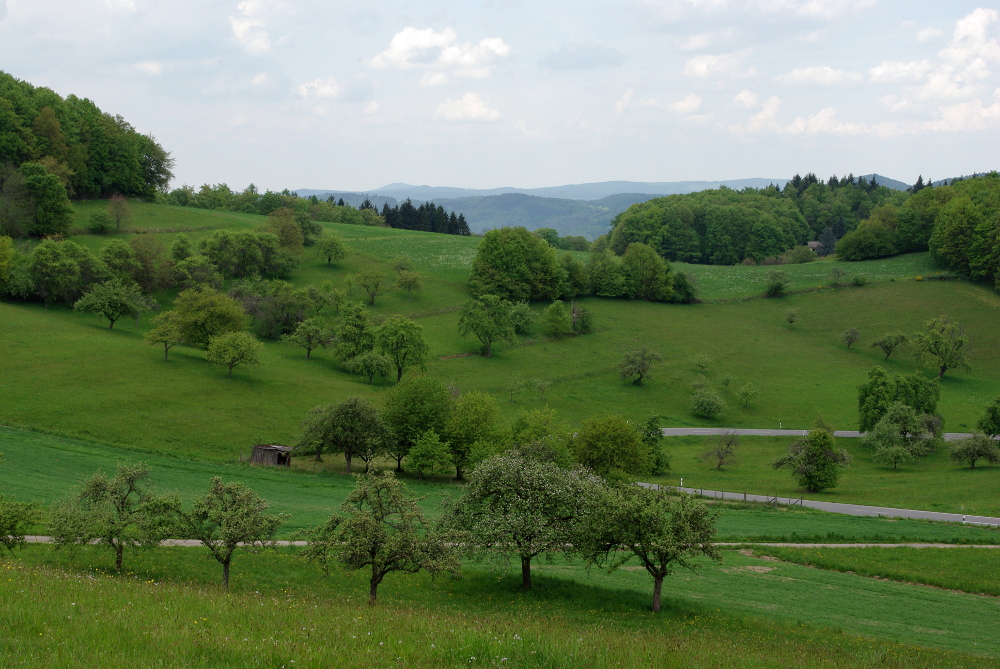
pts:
[745, 612]
[733, 282]
[975, 571]
[44, 468]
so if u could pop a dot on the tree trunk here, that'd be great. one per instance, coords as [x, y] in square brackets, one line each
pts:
[225, 575]
[488, 349]
[373, 589]
[231, 370]
[941, 373]
[111, 326]
[347, 460]
[119, 549]
[657, 586]
[399, 374]
[525, 573]
[399, 463]
[308, 353]
[166, 353]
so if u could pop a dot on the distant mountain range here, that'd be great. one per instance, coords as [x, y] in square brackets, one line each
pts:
[575, 209]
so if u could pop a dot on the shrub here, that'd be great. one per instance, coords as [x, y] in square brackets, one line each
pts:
[859, 280]
[777, 283]
[100, 223]
[799, 255]
[706, 403]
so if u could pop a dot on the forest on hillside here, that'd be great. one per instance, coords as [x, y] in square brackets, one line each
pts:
[54, 148]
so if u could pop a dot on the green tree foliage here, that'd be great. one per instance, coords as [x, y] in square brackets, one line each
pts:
[706, 403]
[409, 281]
[555, 320]
[777, 283]
[943, 345]
[652, 436]
[60, 271]
[719, 227]
[382, 527]
[372, 282]
[233, 349]
[402, 341]
[154, 271]
[349, 428]
[515, 265]
[583, 320]
[331, 248]
[851, 336]
[98, 154]
[205, 313]
[989, 424]
[370, 364]
[814, 460]
[901, 435]
[889, 343]
[881, 391]
[281, 223]
[166, 332]
[636, 363]
[414, 407]
[118, 512]
[613, 448]
[114, 300]
[873, 238]
[355, 334]
[428, 217]
[606, 274]
[539, 435]
[197, 271]
[181, 248]
[247, 254]
[489, 318]
[52, 213]
[16, 519]
[748, 392]
[429, 455]
[119, 211]
[518, 507]
[310, 334]
[971, 450]
[647, 276]
[662, 531]
[120, 259]
[275, 307]
[685, 289]
[230, 516]
[474, 430]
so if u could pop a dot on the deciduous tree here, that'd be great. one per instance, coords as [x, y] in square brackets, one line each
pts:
[889, 343]
[814, 460]
[166, 332]
[989, 424]
[662, 531]
[347, 428]
[850, 337]
[473, 429]
[943, 345]
[234, 348]
[310, 334]
[975, 448]
[381, 527]
[114, 300]
[722, 449]
[522, 508]
[612, 447]
[488, 317]
[402, 341]
[413, 407]
[231, 516]
[374, 283]
[636, 363]
[204, 313]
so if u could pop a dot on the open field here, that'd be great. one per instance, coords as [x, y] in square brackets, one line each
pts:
[745, 612]
[975, 571]
[44, 468]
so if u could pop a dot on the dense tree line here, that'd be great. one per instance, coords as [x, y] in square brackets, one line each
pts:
[426, 217]
[725, 227]
[53, 148]
[519, 266]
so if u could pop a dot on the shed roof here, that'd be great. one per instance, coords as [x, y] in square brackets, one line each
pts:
[274, 447]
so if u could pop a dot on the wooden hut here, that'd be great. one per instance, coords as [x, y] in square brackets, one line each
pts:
[271, 454]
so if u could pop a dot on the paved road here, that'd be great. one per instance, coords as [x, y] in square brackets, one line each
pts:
[712, 431]
[849, 509]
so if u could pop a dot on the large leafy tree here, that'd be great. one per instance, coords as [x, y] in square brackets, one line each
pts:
[349, 428]
[814, 460]
[310, 334]
[516, 265]
[488, 317]
[402, 341]
[52, 211]
[166, 332]
[664, 532]
[989, 424]
[636, 363]
[521, 507]
[943, 345]
[881, 391]
[118, 512]
[647, 276]
[233, 349]
[416, 405]
[114, 300]
[474, 429]
[613, 447]
[204, 313]
[354, 333]
[381, 527]
[227, 517]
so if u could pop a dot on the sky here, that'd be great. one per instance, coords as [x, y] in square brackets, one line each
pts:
[480, 94]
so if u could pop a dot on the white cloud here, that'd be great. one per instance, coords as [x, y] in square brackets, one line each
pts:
[149, 67]
[470, 107]
[624, 101]
[689, 105]
[371, 107]
[822, 75]
[118, 4]
[628, 100]
[261, 79]
[891, 71]
[815, 9]
[695, 42]
[320, 89]
[412, 48]
[582, 56]
[717, 66]
[929, 35]
[434, 79]
[765, 119]
[249, 27]
[824, 122]
[746, 98]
